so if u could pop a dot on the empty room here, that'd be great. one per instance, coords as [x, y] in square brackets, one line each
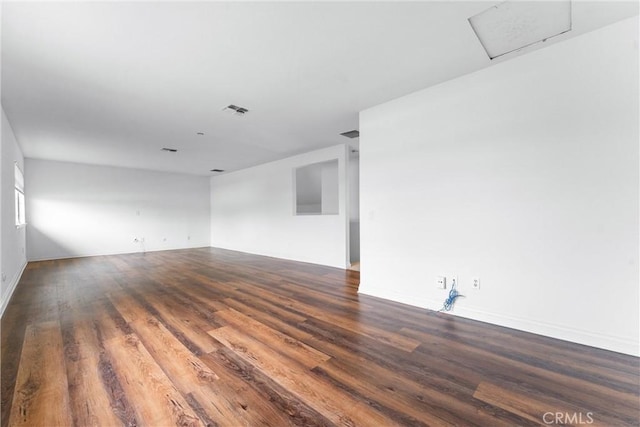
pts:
[320, 213]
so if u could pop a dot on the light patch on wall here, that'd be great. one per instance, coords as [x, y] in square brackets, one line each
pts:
[56, 217]
[514, 25]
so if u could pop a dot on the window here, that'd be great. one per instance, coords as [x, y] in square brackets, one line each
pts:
[316, 189]
[19, 191]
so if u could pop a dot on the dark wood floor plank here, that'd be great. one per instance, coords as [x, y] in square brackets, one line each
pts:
[408, 411]
[153, 396]
[284, 344]
[191, 376]
[491, 362]
[512, 342]
[89, 398]
[195, 338]
[41, 394]
[334, 404]
[396, 340]
[253, 387]
[514, 400]
[276, 309]
[11, 345]
[215, 337]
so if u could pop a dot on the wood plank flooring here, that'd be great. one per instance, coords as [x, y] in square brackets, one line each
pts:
[208, 337]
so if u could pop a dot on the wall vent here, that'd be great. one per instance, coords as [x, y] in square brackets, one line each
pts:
[351, 134]
[170, 150]
[217, 170]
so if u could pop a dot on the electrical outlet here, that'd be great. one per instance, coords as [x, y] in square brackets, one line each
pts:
[475, 283]
[441, 282]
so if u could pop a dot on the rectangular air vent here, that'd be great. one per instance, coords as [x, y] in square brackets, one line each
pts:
[234, 109]
[514, 25]
[217, 170]
[170, 150]
[351, 134]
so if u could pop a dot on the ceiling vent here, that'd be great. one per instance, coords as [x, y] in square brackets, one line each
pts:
[217, 170]
[170, 150]
[514, 25]
[351, 134]
[235, 110]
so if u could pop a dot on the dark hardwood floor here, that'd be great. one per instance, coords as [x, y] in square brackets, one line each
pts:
[214, 337]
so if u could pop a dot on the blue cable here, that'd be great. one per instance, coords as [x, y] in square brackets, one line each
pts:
[451, 299]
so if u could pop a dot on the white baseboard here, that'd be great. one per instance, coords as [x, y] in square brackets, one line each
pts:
[94, 254]
[12, 287]
[606, 342]
[341, 265]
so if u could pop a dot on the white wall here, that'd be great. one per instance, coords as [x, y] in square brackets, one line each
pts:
[13, 258]
[524, 174]
[3, 303]
[252, 210]
[81, 210]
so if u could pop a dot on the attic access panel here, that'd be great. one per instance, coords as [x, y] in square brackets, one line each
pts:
[513, 25]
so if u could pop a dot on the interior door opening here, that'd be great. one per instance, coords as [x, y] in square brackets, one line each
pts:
[354, 207]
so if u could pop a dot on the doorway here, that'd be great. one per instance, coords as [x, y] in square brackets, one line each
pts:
[353, 181]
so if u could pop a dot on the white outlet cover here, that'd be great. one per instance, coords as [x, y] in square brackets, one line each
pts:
[475, 283]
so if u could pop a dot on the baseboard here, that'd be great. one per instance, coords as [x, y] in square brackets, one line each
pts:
[341, 265]
[606, 342]
[54, 258]
[12, 287]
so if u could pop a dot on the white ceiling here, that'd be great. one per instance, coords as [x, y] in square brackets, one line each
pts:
[112, 83]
